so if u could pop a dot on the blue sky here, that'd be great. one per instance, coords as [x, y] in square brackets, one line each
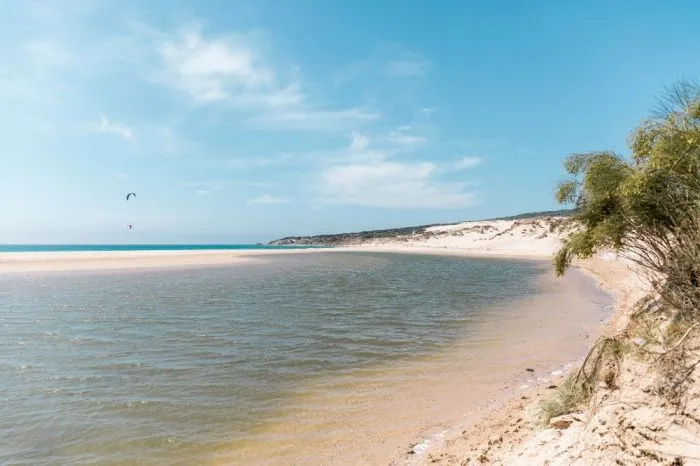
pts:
[239, 121]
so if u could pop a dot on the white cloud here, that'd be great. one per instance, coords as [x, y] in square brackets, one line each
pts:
[393, 185]
[118, 129]
[380, 147]
[409, 67]
[468, 162]
[360, 150]
[268, 199]
[229, 70]
[211, 69]
[305, 118]
[404, 139]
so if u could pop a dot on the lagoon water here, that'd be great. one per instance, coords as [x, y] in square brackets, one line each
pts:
[288, 359]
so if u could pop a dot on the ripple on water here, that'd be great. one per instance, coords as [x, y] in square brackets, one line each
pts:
[190, 366]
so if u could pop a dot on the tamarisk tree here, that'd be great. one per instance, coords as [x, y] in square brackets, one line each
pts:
[645, 206]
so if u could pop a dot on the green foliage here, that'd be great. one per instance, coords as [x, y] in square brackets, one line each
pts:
[648, 197]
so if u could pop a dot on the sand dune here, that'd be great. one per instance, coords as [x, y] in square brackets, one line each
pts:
[530, 238]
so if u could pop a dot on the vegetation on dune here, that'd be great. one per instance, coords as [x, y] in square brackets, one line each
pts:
[647, 206]
[343, 239]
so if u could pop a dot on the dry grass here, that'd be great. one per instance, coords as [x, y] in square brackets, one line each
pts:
[567, 398]
[602, 365]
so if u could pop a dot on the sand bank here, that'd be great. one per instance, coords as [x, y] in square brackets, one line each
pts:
[115, 260]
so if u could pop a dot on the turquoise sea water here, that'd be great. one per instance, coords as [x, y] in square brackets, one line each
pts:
[135, 247]
[192, 365]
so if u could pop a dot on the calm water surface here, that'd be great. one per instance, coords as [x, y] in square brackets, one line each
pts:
[173, 366]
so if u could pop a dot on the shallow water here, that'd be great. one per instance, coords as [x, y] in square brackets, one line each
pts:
[287, 359]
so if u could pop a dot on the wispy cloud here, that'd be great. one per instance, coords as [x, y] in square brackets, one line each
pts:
[118, 129]
[314, 119]
[392, 185]
[229, 71]
[468, 162]
[409, 67]
[372, 148]
[371, 176]
[268, 199]
[405, 138]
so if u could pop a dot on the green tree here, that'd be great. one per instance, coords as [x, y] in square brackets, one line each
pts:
[646, 206]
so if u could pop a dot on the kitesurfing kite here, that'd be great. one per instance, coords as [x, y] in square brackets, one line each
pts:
[127, 198]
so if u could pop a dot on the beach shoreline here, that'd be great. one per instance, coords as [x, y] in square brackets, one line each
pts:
[502, 432]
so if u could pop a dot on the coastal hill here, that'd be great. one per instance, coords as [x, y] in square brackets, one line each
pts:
[471, 234]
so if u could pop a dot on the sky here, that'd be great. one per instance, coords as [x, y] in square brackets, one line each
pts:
[247, 120]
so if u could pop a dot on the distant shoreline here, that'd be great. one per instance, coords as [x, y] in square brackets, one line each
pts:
[534, 239]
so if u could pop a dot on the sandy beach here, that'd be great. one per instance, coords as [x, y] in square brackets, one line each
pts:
[17, 262]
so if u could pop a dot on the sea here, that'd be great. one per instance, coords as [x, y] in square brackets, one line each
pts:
[324, 358]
